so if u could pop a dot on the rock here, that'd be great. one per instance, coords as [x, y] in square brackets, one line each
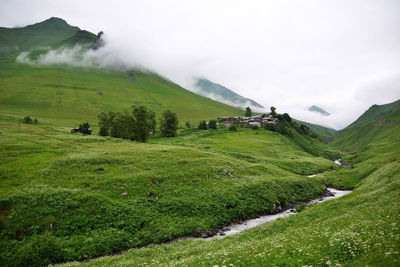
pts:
[124, 194]
[292, 210]
[329, 193]
[13, 155]
[209, 234]
[222, 233]
[225, 229]
[341, 187]
[122, 188]
[198, 231]
[204, 235]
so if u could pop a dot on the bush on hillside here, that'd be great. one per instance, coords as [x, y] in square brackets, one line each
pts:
[29, 120]
[203, 125]
[85, 128]
[188, 124]
[233, 128]
[212, 124]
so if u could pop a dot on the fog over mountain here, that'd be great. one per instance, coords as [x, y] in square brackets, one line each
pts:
[343, 55]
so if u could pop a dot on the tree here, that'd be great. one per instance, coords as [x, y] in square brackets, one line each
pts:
[168, 124]
[203, 125]
[286, 117]
[273, 112]
[35, 121]
[248, 112]
[212, 124]
[188, 124]
[106, 122]
[142, 123]
[103, 131]
[85, 128]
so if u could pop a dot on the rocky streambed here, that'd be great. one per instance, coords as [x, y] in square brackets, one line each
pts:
[331, 193]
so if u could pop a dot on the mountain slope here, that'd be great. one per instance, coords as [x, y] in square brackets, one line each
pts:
[76, 94]
[373, 113]
[325, 134]
[362, 136]
[43, 34]
[80, 94]
[222, 94]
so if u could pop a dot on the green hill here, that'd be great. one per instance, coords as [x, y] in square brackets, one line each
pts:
[373, 113]
[79, 94]
[43, 34]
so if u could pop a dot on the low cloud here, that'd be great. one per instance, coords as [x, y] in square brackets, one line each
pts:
[287, 54]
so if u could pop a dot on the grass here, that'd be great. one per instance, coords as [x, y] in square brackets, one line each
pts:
[67, 96]
[359, 229]
[63, 193]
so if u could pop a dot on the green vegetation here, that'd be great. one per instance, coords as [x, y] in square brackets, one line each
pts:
[359, 229]
[169, 124]
[77, 196]
[66, 197]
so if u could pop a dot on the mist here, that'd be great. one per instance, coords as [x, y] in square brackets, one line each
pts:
[342, 56]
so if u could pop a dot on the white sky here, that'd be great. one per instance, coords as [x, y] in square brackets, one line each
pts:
[341, 55]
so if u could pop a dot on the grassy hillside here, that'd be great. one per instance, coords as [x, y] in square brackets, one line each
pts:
[77, 94]
[66, 197]
[373, 113]
[363, 136]
[325, 134]
[43, 34]
[357, 230]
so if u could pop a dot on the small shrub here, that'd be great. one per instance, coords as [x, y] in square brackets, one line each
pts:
[188, 124]
[27, 119]
[85, 128]
[233, 128]
[254, 127]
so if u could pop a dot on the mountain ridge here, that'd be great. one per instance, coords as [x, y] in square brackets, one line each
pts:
[222, 94]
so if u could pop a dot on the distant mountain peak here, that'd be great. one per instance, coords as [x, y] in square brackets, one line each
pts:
[319, 110]
[222, 94]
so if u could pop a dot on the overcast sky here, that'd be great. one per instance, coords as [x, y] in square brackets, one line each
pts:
[343, 56]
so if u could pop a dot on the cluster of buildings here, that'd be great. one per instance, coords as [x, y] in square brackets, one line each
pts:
[249, 121]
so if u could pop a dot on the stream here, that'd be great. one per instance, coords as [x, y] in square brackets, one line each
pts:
[237, 228]
[331, 193]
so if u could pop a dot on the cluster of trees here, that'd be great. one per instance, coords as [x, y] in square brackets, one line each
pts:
[136, 124]
[29, 120]
[287, 126]
[212, 124]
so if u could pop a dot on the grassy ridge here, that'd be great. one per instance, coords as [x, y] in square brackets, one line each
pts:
[62, 195]
[43, 34]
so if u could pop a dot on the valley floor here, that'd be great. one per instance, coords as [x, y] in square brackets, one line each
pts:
[67, 197]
